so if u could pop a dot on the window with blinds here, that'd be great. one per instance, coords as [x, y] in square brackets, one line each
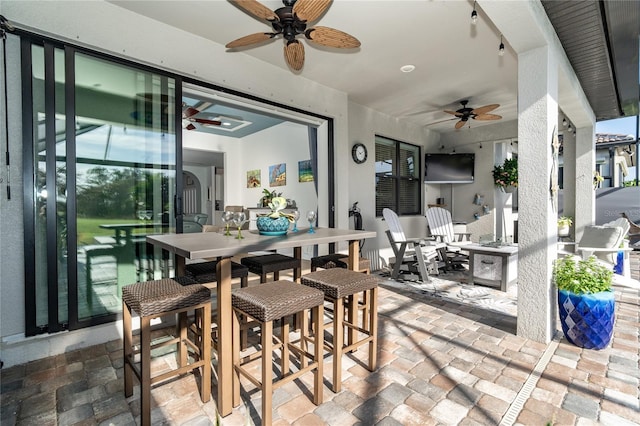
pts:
[397, 177]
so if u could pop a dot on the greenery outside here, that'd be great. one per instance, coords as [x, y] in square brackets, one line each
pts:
[582, 276]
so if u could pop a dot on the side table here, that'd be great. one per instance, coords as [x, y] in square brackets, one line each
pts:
[493, 266]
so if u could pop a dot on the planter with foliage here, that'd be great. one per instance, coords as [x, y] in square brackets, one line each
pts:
[505, 175]
[564, 226]
[277, 222]
[586, 302]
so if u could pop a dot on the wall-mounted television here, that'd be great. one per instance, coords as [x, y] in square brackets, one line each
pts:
[449, 168]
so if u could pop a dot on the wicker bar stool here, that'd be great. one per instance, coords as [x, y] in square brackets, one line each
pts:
[267, 263]
[264, 304]
[339, 284]
[205, 272]
[153, 299]
[338, 260]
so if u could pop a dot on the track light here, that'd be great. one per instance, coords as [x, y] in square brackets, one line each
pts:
[501, 47]
[569, 128]
[564, 122]
[474, 14]
[480, 145]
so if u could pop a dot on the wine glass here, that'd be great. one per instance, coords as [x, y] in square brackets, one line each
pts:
[239, 219]
[311, 217]
[227, 217]
[296, 216]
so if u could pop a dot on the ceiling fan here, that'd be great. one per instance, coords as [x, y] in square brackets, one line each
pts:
[291, 21]
[188, 118]
[465, 113]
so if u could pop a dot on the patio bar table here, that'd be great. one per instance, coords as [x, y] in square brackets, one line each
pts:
[211, 245]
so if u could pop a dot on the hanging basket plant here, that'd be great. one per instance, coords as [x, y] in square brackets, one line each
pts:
[505, 175]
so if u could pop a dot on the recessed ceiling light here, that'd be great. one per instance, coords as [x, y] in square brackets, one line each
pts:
[407, 68]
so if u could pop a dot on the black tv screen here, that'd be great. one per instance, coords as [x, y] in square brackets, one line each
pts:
[449, 168]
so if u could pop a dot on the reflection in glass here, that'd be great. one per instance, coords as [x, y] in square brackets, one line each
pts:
[125, 178]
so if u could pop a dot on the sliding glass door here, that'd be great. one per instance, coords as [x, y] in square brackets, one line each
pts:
[101, 158]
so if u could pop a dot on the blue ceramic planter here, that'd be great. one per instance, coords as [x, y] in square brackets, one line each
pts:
[587, 319]
[269, 226]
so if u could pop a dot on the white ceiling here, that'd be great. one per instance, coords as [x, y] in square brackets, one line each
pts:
[454, 59]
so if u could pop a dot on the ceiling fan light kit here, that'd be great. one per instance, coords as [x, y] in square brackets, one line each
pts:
[289, 22]
[474, 14]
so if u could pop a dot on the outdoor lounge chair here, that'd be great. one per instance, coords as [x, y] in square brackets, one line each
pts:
[441, 227]
[416, 254]
[604, 242]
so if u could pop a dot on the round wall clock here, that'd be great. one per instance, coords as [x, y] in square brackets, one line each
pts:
[359, 153]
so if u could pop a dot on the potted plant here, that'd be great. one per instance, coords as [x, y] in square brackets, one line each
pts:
[585, 301]
[505, 175]
[277, 222]
[564, 224]
[267, 196]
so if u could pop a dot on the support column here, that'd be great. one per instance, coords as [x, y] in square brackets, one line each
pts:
[537, 228]
[569, 177]
[585, 195]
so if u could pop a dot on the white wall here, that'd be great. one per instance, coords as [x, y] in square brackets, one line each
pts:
[364, 125]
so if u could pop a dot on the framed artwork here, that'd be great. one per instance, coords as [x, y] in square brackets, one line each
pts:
[253, 179]
[278, 175]
[305, 173]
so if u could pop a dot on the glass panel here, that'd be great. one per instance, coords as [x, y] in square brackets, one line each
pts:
[126, 156]
[61, 190]
[40, 188]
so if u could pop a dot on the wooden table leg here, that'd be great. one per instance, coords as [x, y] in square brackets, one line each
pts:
[225, 348]
[297, 272]
[354, 255]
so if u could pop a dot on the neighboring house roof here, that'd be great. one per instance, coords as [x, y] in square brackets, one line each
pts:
[608, 138]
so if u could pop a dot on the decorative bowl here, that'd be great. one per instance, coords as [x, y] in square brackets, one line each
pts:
[270, 226]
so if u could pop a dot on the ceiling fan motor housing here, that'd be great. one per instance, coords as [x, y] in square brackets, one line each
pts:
[288, 24]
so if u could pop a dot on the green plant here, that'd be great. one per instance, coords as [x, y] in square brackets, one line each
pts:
[565, 221]
[267, 196]
[582, 276]
[506, 174]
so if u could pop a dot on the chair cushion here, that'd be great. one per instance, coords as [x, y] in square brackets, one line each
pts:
[602, 237]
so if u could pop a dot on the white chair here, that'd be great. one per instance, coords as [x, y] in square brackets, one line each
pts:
[441, 227]
[415, 253]
[604, 242]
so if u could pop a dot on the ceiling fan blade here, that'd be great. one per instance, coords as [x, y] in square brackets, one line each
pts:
[250, 39]
[256, 9]
[205, 121]
[460, 124]
[484, 117]
[456, 113]
[331, 37]
[189, 112]
[441, 121]
[294, 54]
[484, 109]
[310, 10]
